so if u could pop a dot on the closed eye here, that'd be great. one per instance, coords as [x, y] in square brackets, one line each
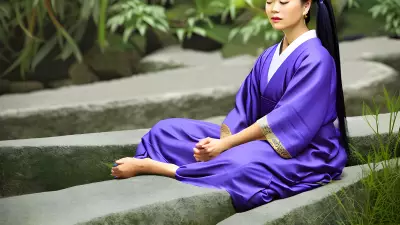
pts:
[283, 3]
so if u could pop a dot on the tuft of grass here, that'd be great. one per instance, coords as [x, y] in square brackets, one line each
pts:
[108, 165]
[377, 199]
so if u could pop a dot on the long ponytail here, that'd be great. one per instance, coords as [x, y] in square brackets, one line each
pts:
[326, 32]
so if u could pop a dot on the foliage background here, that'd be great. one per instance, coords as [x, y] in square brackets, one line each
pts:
[37, 33]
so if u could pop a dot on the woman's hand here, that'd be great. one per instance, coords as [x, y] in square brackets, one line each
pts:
[208, 148]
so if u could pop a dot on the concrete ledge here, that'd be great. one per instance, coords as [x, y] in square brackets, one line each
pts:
[130, 103]
[139, 200]
[140, 101]
[49, 164]
[314, 207]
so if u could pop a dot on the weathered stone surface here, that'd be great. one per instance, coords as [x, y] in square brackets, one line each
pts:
[131, 103]
[175, 54]
[48, 164]
[81, 74]
[370, 49]
[365, 80]
[60, 83]
[203, 89]
[138, 200]
[315, 207]
[25, 86]
[112, 64]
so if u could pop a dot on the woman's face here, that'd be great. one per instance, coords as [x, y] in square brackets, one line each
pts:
[284, 14]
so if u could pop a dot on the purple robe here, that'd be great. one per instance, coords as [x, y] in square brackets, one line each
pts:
[296, 109]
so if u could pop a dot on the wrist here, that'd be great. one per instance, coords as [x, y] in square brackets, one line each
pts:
[228, 142]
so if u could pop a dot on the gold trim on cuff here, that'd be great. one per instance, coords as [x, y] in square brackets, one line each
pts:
[272, 139]
[225, 131]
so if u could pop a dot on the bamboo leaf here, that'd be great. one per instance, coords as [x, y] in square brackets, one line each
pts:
[43, 52]
[102, 25]
[63, 32]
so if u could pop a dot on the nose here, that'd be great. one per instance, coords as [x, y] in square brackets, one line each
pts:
[275, 7]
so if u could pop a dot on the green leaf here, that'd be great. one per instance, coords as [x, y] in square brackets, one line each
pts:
[142, 29]
[86, 9]
[233, 34]
[149, 20]
[219, 33]
[127, 33]
[101, 36]
[200, 31]
[43, 52]
[233, 11]
[250, 2]
[191, 21]
[181, 34]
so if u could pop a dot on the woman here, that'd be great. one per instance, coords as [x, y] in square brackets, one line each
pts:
[280, 138]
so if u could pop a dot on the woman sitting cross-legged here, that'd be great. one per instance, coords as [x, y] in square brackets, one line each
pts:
[279, 139]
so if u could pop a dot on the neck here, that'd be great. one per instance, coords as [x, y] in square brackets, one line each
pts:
[293, 33]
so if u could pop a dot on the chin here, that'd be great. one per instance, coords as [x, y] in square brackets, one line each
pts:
[278, 26]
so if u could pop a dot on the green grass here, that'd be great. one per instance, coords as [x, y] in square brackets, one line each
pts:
[380, 189]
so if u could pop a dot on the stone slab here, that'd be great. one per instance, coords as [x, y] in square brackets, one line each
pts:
[364, 81]
[177, 55]
[370, 49]
[358, 126]
[279, 209]
[318, 206]
[197, 92]
[54, 163]
[364, 76]
[131, 103]
[138, 200]
[144, 88]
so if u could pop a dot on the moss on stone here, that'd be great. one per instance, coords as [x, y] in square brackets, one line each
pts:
[36, 169]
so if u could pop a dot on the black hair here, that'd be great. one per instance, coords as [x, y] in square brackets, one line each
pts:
[327, 33]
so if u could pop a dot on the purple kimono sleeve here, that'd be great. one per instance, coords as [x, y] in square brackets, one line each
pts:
[301, 111]
[245, 111]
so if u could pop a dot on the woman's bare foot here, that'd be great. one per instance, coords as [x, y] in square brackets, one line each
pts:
[129, 167]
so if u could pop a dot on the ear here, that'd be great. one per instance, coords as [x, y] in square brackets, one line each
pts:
[307, 6]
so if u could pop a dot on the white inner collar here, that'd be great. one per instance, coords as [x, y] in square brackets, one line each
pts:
[277, 59]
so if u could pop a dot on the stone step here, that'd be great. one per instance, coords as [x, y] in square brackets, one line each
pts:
[317, 206]
[138, 200]
[54, 163]
[177, 55]
[370, 48]
[137, 102]
[160, 200]
[130, 103]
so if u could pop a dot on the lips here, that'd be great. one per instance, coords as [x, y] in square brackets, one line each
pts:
[275, 19]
